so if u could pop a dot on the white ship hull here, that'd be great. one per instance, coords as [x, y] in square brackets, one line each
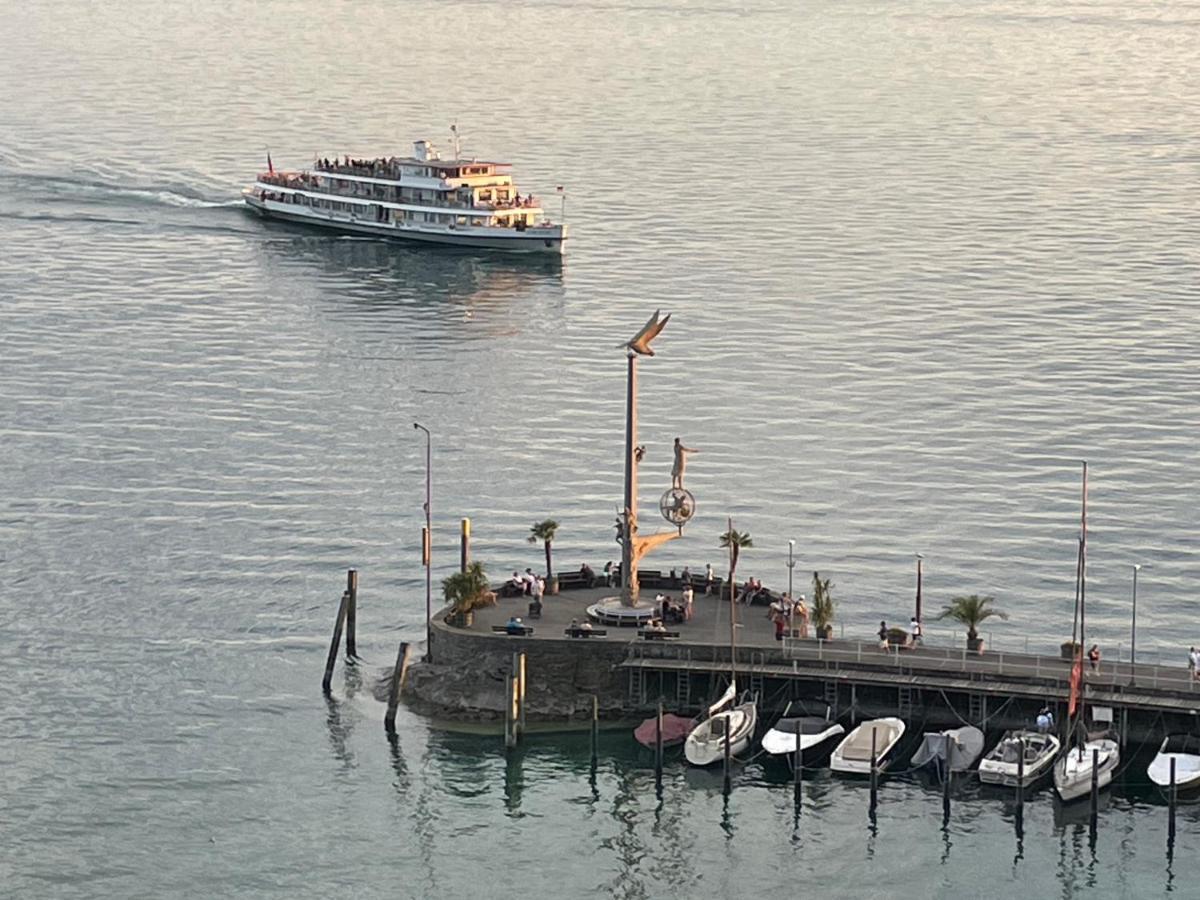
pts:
[534, 239]
[1073, 771]
[853, 754]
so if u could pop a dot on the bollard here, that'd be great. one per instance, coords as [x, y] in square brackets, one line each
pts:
[352, 614]
[521, 684]
[1021, 777]
[595, 730]
[337, 640]
[728, 785]
[465, 549]
[874, 775]
[389, 719]
[1095, 802]
[1171, 797]
[658, 750]
[797, 771]
[947, 778]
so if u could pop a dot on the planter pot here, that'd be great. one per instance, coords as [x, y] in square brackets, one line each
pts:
[826, 633]
[461, 619]
[1069, 649]
[974, 645]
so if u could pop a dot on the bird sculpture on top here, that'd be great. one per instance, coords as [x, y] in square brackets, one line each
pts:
[641, 341]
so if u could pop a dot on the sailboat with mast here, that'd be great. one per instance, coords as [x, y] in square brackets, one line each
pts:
[1086, 757]
[725, 724]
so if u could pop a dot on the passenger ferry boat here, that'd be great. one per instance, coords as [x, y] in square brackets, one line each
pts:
[467, 203]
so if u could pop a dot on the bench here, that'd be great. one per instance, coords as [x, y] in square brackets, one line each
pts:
[647, 635]
[526, 630]
[508, 589]
[569, 581]
[585, 632]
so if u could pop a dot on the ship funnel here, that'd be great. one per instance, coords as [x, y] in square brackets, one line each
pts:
[424, 151]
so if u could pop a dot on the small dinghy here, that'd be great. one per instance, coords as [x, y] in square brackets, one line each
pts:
[1073, 771]
[705, 744]
[853, 754]
[1185, 750]
[1003, 763]
[959, 747]
[674, 730]
[815, 733]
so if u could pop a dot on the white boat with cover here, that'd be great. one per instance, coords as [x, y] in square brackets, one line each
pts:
[1003, 763]
[815, 733]
[853, 754]
[958, 747]
[1185, 750]
[463, 202]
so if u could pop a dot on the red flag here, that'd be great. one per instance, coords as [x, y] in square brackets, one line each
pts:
[1076, 680]
[270, 167]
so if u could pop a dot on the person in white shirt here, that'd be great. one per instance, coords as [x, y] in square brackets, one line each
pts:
[539, 588]
[529, 579]
[914, 630]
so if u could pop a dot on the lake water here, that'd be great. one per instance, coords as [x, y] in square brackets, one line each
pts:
[921, 259]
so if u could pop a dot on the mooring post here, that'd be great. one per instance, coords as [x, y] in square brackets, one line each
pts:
[389, 718]
[1020, 776]
[797, 771]
[658, 749]
[874, 774]
[946, 780]
[1095, 804]
[352, 614]
[336, 642]
[728, 784]
[465, 551]
[510, 713]
[521, 684]
[1171, 796]
[595, 730]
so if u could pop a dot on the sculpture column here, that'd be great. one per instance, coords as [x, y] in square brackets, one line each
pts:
[629, 581]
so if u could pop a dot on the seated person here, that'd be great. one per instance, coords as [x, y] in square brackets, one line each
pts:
[588, 575]
[585, 625]
[514, 626]
[656, 626]
[515, 586]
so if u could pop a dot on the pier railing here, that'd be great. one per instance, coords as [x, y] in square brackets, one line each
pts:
[842, 655]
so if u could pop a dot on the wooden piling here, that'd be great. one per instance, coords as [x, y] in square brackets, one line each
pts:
[335, 643]
[521, 683]
[595, 730]
[658, 750]
[1171, 799]
[874, 774]
[797, 771]
[1021, 778]
[728, 783]
[510, 712]
[389, 719]
[465, 549]
[352, 614]
[947, 780]
[1095, 800]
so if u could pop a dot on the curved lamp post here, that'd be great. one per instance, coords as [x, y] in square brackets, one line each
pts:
[427, 543]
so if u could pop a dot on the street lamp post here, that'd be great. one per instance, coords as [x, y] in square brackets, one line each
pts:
[791, 565]
[918, 616]
[427, 542]
[1133, 631]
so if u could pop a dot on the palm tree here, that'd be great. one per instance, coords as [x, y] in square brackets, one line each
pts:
[734, 540]
[465, 590]
[822, 606]
[544, 532]
[972, 611]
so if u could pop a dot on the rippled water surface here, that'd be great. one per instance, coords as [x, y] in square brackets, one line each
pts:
[921, 259]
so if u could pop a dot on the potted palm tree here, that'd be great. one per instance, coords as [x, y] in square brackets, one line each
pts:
[465, 592]
[972, 611]
[544, 531]
[735, 541]
[822, 607]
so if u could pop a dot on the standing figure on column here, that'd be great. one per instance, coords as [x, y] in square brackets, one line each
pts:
[680, 464]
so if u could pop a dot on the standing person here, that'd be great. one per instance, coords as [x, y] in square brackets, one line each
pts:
[539, 589]
[1094, 657]
[1045, 721]
[680, 464]
[689, 595]
[608, 574]
[883, 641]
[802, 612]
[685, 577]
[1194, 662]
[529, 579]
[708, 578]
[914, 628]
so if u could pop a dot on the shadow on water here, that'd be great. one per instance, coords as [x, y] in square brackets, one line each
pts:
[370, 277]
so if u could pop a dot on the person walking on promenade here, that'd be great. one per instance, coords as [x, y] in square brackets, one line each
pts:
[1094, 657]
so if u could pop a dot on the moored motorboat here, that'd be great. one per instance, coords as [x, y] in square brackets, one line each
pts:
[853, 754]
[1184, 749]
[675, 730]
[956, 747]
[815, 734]
[1003, 764]
[1073, 771]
